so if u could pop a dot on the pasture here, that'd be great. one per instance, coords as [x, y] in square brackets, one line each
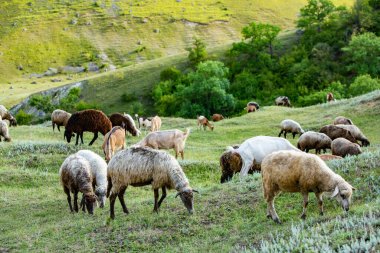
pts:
[229, 217]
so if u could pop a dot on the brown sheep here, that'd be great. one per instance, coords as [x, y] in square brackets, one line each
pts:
[358, 135]
[252, 107]
[314, 140]
[340, 120]
[336, 132]
[203, 121]
[87, 121]
[343, 147]
[126, 122]
[114, 140]
[5, 114]
[217, 117]
[330, 97]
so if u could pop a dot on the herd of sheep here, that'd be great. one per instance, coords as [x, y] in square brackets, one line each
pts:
[283, 166]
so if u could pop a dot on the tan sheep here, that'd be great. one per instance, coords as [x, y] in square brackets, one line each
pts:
[155, 124]
[4, 131]
[314, 140]
[59, 118]
[114, 140]
[290, 126]
[358, 135]
[340, 120]
[336, 132]
[291, 171]
[202, 121]
[343, 147]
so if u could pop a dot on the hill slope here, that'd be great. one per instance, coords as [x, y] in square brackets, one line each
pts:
[229, 217]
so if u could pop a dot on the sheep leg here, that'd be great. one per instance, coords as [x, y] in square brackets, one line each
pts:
[155, 209]
[294, 135]
[81, 138]
[58, 128]
[162, 196]
[67, 191]
[93, 139]
[77, 139]
[320, 202]
[285, 134]
[112, 205]
[279, 135]
[272, 210]
[182, 155]
[76, 201]
[121, 199]
[53, 126]
[305, 202]
[82, 204]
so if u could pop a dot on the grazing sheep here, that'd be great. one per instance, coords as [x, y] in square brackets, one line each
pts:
[282, 100]
[87, 121]
[356, 133]
[4, 131]
[290, 126]
[59, 118]
[167, 139]
[98, 168]
[313, 140]
[217, 117]
[336, 132]
[343, 147]
[250, 154]
[252, 107]
[156, 124]
[340, 120]
[203, 121]
[143, 122]
[126, 122]
[327, 157]
[290, 171]
[5, 114]
[114, 140]
[330, 97]
[139, 166]
[75, 175]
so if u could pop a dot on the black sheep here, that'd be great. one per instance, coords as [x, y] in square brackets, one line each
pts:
[126, 122]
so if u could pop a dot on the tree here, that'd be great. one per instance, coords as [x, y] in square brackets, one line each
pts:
[198, 52]
[314, 13]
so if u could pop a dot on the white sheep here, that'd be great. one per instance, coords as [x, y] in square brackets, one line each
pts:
[250, 154]
[59, 118]
[358, 135]
[313, 140]
[290, 126]
[290, 171]
[75, 176]
[166, 139]
[139, 166]
[98, 168]
[4, 131]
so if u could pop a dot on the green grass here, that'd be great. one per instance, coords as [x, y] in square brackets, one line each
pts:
[229, 217]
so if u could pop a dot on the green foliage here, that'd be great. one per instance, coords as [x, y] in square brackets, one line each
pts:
[127, 97]
[82, 105]
[68, 103]
[314, 13]
[23, 118]
[42, 103]
[171, 73]
[364, 84]
[198, 52]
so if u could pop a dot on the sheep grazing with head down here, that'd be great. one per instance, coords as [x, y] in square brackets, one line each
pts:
[290, 126]
[139, 166]
[217, 117]
[337, 132]
[340, 120]
[4, 131]
[87, 121]
[343, 147]
[249, 155]
[144, 122]
[126, 122]
[59, 118]
[75, 176]
[202, 121]
[290, 171]
[114, 140]
[98, 168]
[330, 97]
[356, 133]
[313, 140]
[5, 114]
[252, 107]
[283, 101]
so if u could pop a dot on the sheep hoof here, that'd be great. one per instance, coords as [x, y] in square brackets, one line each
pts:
[269, 216]
[277, 220]
[303, 216]
[321, 213]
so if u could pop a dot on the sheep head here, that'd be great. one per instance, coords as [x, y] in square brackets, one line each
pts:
[90, 202]
[230, 162]
[343, 193]
[187, 198]
[101, 196]
[67, 135]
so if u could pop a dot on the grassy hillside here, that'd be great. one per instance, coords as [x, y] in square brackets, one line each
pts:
[229, 217]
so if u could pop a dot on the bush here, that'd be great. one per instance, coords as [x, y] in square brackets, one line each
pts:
[23, 118]
[364, 84]
[128, 97]
[171, 73]
[41, 103]
[81, 105]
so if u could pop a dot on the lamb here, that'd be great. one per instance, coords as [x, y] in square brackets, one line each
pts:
[290, 171]
[4, 131]
[330, 97]
[98, 168]
[250, 154]
[217, 117]
[290, 126]
[252, 107]
[203, 121]
[139, 166]
[356, 133]
[87, 121]
[340, 120]
[314, 140]
[143, 121]
[114, 140]
[125, 121]
[59, 118]
[156, 124]
[5, 114]
[343, 147]
[282, 100]
[335, 132]
[75, 176]
[167, 139]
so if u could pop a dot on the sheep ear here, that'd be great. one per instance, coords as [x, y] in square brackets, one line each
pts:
[195, 191]
[353, 188]
[336, 191]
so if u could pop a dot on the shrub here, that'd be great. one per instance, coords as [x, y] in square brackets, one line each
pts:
[364, 84]
[81, 105]
[42, 103]
[23, 118]
[171, 73]
[128, 97]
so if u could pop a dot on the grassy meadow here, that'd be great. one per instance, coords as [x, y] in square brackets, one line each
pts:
[228, 218]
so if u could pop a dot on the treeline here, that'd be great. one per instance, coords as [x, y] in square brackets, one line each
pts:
[336, 49]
